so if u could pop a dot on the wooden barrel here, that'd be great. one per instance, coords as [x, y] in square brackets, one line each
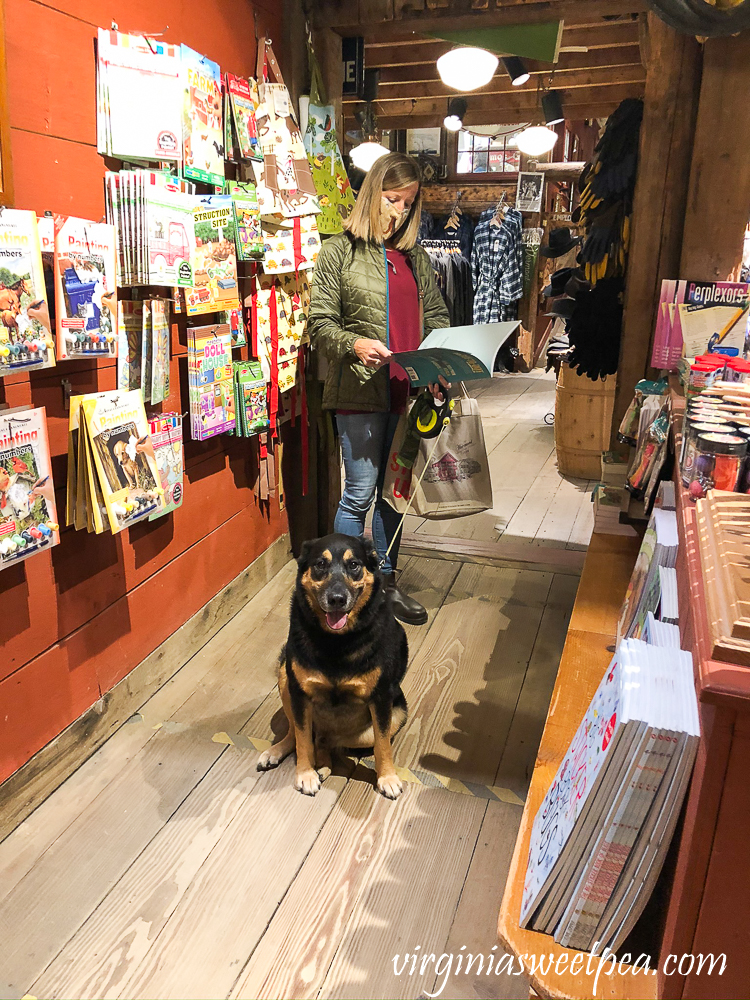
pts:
[583, 418]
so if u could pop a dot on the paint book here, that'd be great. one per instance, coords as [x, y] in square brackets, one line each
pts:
[26, 342]
[85, 288]
[166, 436]
[124, 464]
[28, 516]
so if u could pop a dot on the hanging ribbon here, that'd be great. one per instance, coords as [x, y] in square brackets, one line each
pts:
[254, 314]
[274, 408]
[297, 243]
[304, 431]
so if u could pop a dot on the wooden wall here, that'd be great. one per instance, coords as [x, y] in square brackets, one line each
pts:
[77, 619]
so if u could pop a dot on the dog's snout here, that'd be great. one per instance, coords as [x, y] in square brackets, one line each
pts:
[337, 599]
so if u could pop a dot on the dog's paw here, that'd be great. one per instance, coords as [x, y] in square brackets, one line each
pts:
[323, 772]
[390, 786]
[307, 782]
[268, 759]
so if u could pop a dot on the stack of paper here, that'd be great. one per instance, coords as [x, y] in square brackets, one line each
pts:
[601, 834]
[660, 633]
[658, 548]
[210, 377]
[152, 213]
[28, 516]
[668, 604]
[138, 97]
[113, 481]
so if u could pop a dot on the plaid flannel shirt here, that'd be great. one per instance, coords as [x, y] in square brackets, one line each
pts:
[497, 267]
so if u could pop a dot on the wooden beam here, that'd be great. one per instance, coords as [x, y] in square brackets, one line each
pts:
[407, 53]
[719, 191]
[522, 104]
[569, 63]
[500, 115]
[351, 17]
[670, 103]
[584, 79]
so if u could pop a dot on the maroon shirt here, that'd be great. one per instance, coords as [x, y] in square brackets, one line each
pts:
[403, 322]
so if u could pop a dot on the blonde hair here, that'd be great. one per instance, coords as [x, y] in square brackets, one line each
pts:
[390, 173]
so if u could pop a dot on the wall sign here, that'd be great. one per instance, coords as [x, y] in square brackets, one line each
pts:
[353, 56]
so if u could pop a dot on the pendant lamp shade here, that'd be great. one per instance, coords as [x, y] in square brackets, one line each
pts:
[467, 68]
[536, 140]
[456, 111]
[552, 108]
[366, 153]
[516, 70]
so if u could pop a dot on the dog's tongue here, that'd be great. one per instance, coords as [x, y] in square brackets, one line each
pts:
[336, 621]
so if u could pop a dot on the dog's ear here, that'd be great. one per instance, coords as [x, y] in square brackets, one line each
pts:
[303, 560]
[372, 559]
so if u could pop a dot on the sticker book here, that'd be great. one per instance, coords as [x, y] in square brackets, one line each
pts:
[28, 516]
[26, 341]
[202, 125]
[214, 257]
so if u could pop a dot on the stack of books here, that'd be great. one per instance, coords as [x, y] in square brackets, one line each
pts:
[609, 503]
[602, 832]
[658, 633]
[658, 548]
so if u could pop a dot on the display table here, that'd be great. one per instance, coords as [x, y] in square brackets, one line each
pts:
[708, 912]
[588, 650]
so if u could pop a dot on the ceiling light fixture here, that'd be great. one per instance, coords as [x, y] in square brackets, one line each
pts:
[536, 140]
[455, 117]
[516, 70]
[366, 153]
[552, 108]
[467, 68]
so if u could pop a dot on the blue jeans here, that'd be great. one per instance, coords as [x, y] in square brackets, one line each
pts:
[366, 440]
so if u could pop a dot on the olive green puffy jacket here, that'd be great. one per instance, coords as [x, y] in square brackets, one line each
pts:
[348, 302]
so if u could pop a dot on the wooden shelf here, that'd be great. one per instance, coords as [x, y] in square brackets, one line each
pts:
[587, 652]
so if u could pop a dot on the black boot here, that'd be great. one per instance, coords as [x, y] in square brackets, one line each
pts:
[405, 608]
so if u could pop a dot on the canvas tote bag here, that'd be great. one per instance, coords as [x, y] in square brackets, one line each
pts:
[457, 481]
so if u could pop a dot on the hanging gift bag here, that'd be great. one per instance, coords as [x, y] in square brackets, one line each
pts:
[456, 481]
[284, 182]
[290, 244]
[335, 193]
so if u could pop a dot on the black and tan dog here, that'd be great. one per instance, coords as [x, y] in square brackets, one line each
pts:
[340, 672]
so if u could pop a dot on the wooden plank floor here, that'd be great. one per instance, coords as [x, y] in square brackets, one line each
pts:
[167, 866]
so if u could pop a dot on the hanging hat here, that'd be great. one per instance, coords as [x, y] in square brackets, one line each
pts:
[557, 282]
[562, 307]
[576, 283]
[560, 241]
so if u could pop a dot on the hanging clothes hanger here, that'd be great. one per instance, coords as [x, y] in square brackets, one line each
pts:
[501, 210]
[453, 219]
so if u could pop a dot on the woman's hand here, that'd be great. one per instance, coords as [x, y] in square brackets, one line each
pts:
[371, 353]
[436, 387]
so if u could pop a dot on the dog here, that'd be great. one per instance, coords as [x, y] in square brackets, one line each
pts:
[127, 464]
[341, 669]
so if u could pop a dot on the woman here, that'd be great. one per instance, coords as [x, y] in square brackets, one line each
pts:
[374, 294]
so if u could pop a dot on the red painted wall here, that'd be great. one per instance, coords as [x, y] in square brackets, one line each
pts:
[75, 620]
